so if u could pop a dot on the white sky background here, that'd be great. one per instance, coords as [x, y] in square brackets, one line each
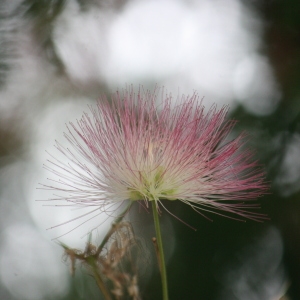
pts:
[212, 46]
[209, 46]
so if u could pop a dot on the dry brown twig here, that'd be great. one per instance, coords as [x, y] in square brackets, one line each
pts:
[117, 263]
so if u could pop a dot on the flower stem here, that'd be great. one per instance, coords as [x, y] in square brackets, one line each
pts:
[160, 254]
[113, 228]
[99, 281]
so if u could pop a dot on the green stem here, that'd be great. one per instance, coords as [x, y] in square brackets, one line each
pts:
[99, 281]
[92, 261]
[160, 255]
[113, 228]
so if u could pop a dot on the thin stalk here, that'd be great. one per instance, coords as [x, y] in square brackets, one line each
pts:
[91, 262]
[99, 281]
[113, 228]
[160, 254]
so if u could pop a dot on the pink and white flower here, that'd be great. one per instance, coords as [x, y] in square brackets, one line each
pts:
[143, 147]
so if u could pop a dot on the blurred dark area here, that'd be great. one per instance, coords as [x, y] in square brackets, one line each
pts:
[223, 259]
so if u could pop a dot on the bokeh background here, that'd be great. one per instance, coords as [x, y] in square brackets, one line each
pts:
[58, 56]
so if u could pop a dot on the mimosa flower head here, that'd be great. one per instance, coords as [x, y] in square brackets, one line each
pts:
[146, 146]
